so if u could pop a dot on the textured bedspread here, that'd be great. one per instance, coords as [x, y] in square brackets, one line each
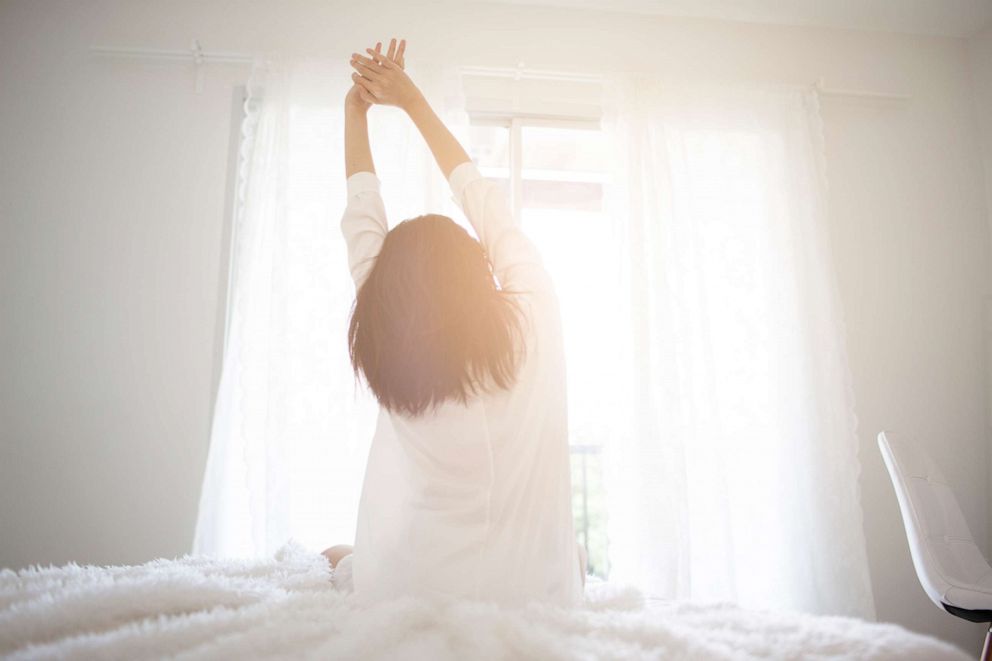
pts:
[195, 608]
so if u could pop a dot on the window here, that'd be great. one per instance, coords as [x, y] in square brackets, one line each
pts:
[554, 173]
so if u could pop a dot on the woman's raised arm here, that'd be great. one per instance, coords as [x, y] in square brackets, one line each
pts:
[357, 153]
[514, 258]
[382, 77]
[364, 220]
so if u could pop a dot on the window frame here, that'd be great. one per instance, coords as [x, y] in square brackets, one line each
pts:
[515, 123]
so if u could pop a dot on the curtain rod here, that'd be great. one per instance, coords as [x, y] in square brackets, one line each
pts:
[522, 73]
[197, 55]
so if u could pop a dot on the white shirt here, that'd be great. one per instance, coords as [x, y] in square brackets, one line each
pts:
[472, 500]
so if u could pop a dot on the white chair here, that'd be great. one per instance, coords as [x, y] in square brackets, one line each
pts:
[950, 566]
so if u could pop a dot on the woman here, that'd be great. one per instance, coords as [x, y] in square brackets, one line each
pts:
[467, 490]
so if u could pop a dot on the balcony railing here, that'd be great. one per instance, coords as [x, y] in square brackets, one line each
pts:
[588, 508]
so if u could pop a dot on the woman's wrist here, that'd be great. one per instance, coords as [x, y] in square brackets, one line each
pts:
[356, 110]
[415, 104]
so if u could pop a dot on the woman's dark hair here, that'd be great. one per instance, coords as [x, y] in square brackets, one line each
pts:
[430, 324]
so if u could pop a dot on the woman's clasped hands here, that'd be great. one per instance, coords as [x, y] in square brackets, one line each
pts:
[379, 78]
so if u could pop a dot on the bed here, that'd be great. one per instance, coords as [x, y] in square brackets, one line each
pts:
[289, 606]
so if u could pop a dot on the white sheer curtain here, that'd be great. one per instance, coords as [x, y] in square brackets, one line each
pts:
[733, 470]
[291, 428]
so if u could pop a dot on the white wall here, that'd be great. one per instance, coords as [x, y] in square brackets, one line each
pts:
[112, 192]
[980, 60]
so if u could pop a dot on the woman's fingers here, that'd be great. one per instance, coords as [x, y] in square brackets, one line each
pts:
[366, 84]
[381, 60]
[365, 95]
[372, 64]
[369, 63]
[394, 55]
[372, 73]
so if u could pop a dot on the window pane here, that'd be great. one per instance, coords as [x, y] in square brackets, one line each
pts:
[563, 168]
[563, 154]
[490, 149]
[589, 507]
[576, 249]
[576, 195]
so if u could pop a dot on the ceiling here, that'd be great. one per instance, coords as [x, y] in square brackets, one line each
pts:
[956, 18]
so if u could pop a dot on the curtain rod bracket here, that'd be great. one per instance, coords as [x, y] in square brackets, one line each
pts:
[197, 52]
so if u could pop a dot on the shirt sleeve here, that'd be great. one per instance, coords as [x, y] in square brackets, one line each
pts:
[363, 224]
[515, 259]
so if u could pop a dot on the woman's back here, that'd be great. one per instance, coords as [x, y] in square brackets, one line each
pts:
[473, 498]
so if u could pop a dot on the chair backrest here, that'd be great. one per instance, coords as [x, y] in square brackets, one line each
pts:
[947, 560]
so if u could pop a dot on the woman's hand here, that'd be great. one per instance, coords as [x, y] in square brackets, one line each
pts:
[357, 100]
[382, 77]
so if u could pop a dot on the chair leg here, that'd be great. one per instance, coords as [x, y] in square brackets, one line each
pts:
[987, 648]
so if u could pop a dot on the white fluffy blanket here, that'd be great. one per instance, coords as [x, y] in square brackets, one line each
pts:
[196, 608]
